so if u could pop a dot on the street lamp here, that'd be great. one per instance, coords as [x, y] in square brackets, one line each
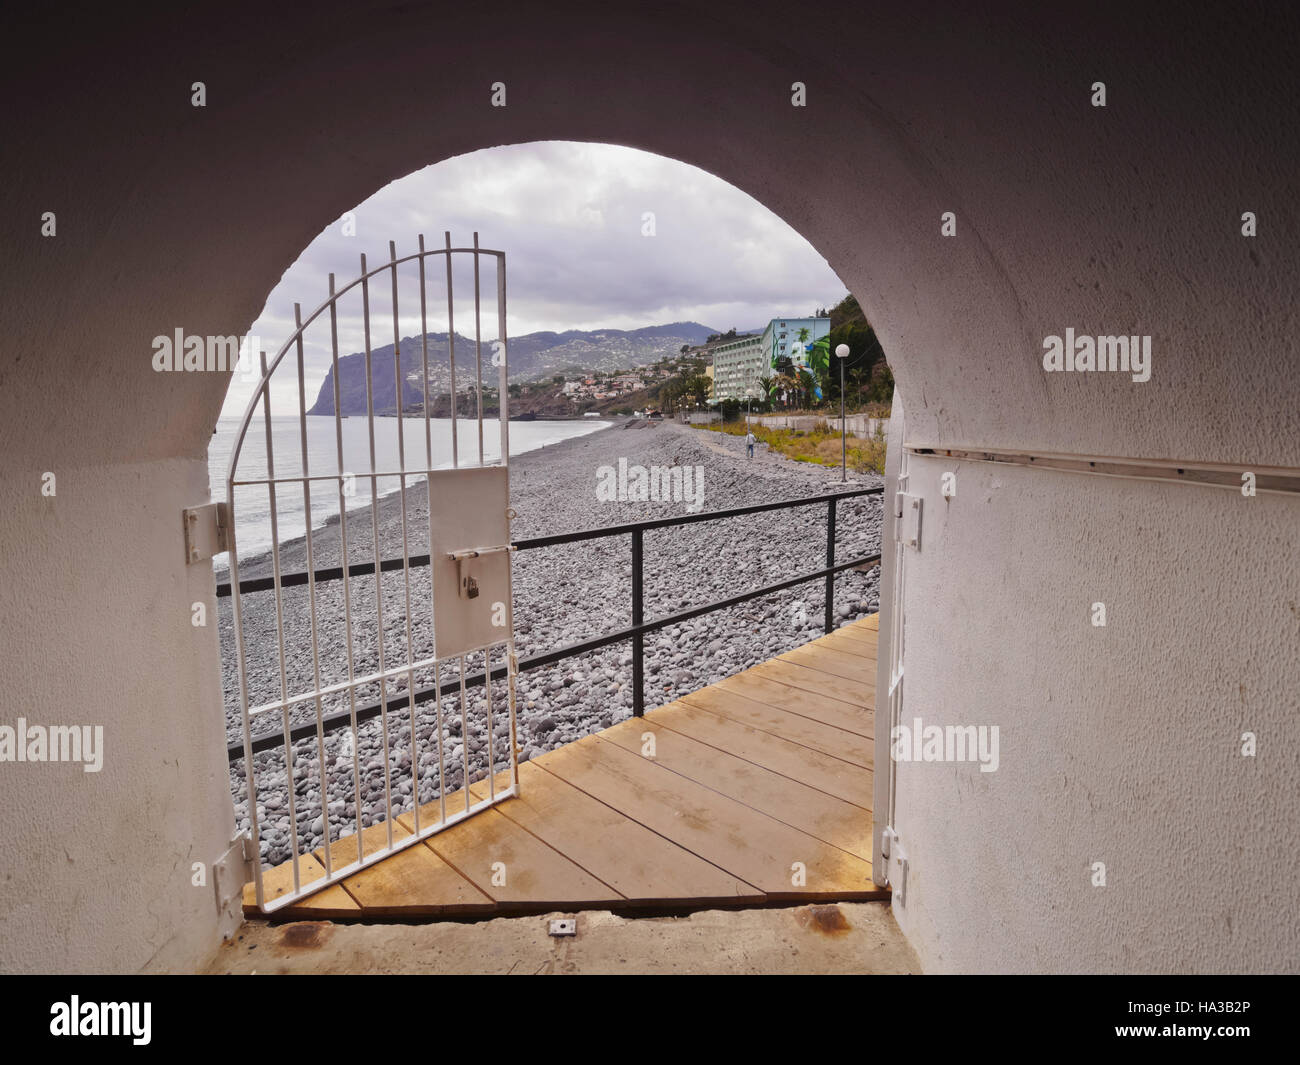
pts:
[842, 353]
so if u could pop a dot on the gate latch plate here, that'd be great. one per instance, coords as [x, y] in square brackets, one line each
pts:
[907, 527]
[206, 528]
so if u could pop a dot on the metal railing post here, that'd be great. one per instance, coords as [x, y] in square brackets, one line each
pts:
[638, 641]
[830, 561]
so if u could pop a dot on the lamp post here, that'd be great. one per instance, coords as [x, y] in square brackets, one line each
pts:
[842, 353]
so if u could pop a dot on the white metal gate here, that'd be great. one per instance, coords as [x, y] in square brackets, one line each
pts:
[463, 581]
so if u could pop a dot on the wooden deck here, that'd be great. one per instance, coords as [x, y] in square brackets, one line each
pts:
[751, 779]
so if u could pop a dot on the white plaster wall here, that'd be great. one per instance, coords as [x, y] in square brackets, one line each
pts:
[1118, 744]
[95, 600]
[1122, 220]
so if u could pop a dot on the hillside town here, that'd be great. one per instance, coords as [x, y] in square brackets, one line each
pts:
[787, 364]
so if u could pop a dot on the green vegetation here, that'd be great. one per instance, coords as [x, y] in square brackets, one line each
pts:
[688, 386]
[820, 444]
[867, 377]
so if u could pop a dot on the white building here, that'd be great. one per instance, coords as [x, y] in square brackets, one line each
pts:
[738, 364]
[781, 337]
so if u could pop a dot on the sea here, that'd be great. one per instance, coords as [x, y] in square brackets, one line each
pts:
[253, 504]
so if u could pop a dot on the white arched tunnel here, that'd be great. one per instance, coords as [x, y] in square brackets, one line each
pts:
[1120, 745]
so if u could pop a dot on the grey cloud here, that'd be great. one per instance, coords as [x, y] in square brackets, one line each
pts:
[569, 217]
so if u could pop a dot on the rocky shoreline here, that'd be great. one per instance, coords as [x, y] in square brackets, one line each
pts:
[562, 594]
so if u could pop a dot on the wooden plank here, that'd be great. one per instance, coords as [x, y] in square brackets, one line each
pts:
[817, 682]
[415, 881]
[343, 852]
[752, 846]
[859, 629]
[850, 746]
[783, 696]
[412, 881]
[534, 875]
[335, 899]
[813, 812]
[837, 663]
[850, 645]
[331, 902]
[855, 632]
[870, 622]
[640, 864]
[834, 776]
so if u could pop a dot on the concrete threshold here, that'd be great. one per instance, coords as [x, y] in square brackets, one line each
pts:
[852, 937]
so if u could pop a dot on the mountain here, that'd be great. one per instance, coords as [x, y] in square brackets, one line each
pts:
[532, 357]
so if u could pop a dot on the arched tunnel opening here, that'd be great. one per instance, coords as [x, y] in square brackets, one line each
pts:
[1100, 563]
[303, 432]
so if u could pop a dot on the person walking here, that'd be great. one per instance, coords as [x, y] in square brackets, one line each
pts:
[749, 442]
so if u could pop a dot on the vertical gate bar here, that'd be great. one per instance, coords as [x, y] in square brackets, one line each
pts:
[478, 351]
[487, 690]
[374, 526]
[464, 733]
[442, 774]
[451, 355]
[487, 651]
[311, 594]
[279, 624]
[347, 587]
[512, 668]
[424, 351]
[406, 550]
[503, 405]
[638, 641]
[502, 382]
[479, 354]
[830, 561]
[428, 487]
[250, 779]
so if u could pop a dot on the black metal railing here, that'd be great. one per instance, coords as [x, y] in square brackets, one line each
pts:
[636, 632]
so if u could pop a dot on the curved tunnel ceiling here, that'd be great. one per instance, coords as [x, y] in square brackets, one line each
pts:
[1116, 220]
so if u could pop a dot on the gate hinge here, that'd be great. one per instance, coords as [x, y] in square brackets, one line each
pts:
[230, 873]
[907, 526]
[206, 531]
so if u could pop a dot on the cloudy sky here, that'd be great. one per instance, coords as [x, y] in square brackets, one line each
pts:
[570, 218]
